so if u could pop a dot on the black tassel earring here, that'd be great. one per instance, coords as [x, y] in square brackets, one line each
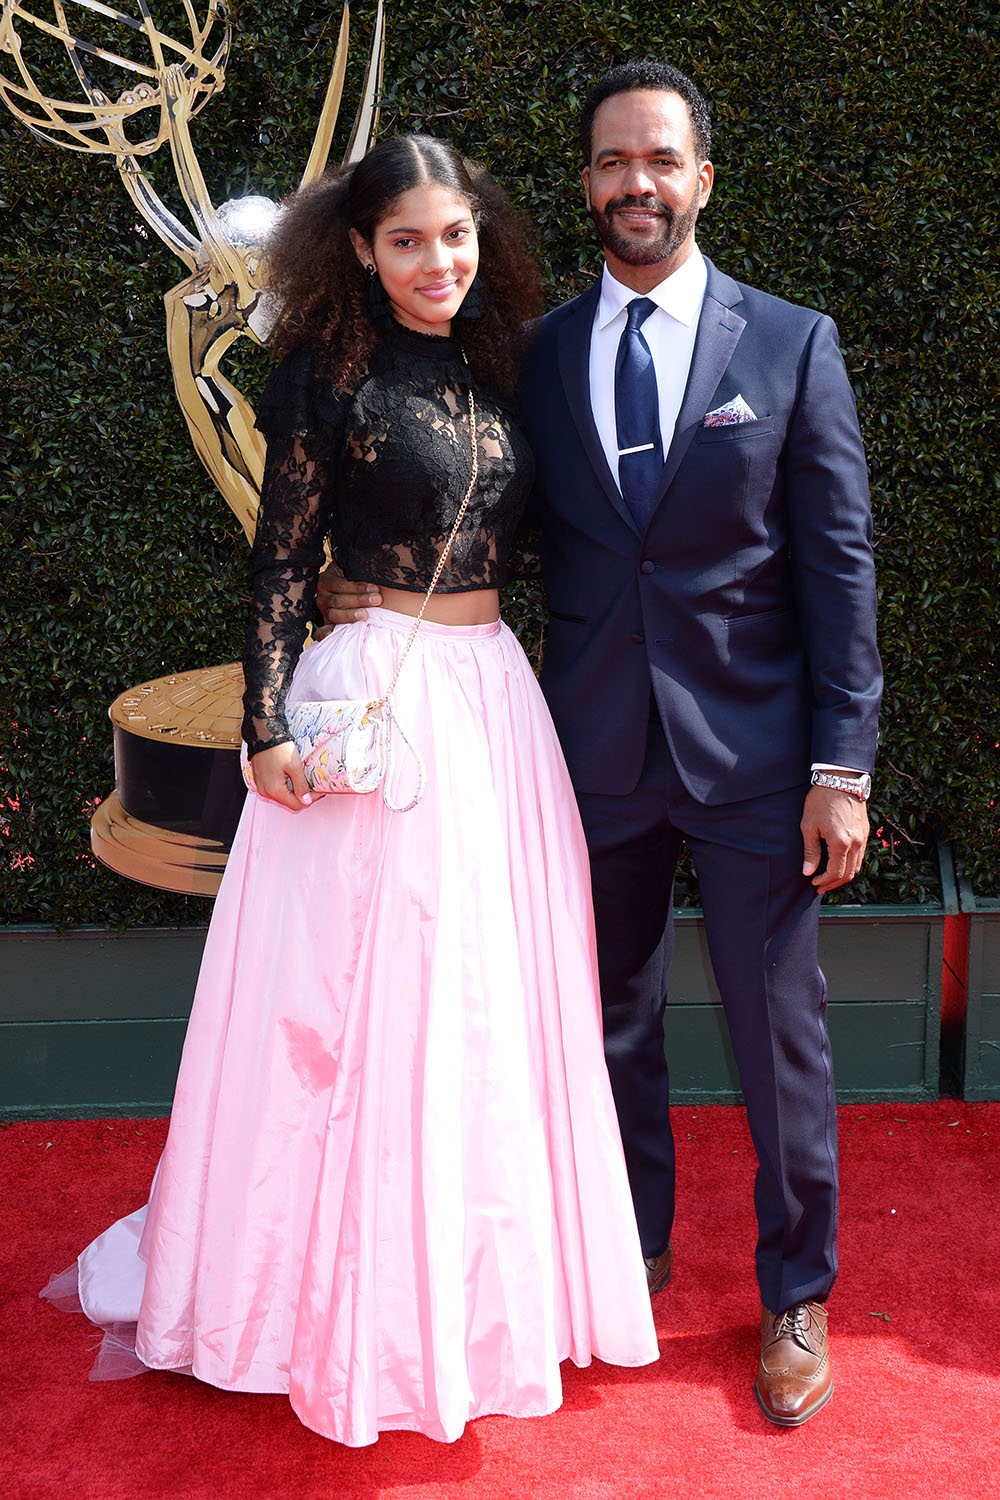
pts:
[379, 306]
[472, 304]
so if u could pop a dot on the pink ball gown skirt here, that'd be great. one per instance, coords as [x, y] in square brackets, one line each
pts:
[393, 1185]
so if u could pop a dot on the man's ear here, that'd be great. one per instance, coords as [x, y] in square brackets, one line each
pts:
[585, 176]
[362, 249]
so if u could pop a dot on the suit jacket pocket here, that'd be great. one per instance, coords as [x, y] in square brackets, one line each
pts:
[735, 431]
[784, 614]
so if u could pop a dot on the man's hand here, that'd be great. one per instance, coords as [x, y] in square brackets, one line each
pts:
[340, 601]
[839, 821]
[274, 769]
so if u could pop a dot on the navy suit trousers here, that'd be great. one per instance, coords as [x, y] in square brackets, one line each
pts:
[761, 924]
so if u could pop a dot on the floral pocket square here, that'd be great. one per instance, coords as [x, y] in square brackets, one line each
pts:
[726, 416]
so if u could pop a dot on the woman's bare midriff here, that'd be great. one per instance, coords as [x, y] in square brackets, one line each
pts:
[480, 607]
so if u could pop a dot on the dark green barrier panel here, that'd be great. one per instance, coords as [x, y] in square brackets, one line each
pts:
[981, 1043]
[92, 1022]
[883, 971]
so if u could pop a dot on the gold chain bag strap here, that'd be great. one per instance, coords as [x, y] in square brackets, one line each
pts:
[345, 745]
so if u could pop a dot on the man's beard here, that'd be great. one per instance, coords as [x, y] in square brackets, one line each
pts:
[672, 229]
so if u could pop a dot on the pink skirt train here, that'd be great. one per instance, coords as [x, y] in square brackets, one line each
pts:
[393, 1185]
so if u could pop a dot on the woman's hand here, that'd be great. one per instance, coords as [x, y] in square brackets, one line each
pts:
[278, 775]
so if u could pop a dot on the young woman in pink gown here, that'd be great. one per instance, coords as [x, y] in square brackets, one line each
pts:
[393, 1185]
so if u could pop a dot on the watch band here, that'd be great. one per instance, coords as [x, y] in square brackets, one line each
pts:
[858, 787]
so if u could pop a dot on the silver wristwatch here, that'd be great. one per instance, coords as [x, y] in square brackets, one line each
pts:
[855, 786]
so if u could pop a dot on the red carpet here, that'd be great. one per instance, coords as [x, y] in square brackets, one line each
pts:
[915, 1414]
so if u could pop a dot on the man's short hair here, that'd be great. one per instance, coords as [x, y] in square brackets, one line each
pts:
[661, 77]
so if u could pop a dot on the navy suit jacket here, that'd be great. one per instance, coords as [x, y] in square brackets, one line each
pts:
[749, 603]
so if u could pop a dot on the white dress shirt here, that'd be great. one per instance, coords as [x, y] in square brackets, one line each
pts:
[670, 333]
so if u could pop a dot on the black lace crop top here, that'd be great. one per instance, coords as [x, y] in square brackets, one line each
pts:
[381, 470]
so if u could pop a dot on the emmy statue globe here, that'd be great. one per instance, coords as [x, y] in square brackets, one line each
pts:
[178, 788]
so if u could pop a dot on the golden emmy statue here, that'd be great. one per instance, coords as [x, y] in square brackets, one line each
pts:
[170, 820]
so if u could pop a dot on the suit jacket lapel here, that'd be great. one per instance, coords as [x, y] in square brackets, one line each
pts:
[574, 368]
[719, 330]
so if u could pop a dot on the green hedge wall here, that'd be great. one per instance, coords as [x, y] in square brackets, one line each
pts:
[856, 169]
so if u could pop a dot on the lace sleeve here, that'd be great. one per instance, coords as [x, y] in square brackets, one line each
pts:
[524, 560]
[287, 556]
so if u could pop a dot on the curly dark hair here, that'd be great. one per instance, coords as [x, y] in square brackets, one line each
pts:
[659, 77]
[321, 287]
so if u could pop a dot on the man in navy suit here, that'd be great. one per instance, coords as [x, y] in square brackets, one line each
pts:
[711, 667]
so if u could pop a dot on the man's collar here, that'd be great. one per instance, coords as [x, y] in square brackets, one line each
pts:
[680, 294]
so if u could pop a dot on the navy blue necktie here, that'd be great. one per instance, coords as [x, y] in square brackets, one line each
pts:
[637, 415]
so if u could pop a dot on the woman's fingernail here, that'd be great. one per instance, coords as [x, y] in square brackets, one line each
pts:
[306, 799]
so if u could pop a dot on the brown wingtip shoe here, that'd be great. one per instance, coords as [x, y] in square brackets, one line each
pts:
[794, 1378]
[659, 1269]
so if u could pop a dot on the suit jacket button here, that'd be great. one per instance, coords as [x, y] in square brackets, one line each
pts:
[647, 566]
[638, 640]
